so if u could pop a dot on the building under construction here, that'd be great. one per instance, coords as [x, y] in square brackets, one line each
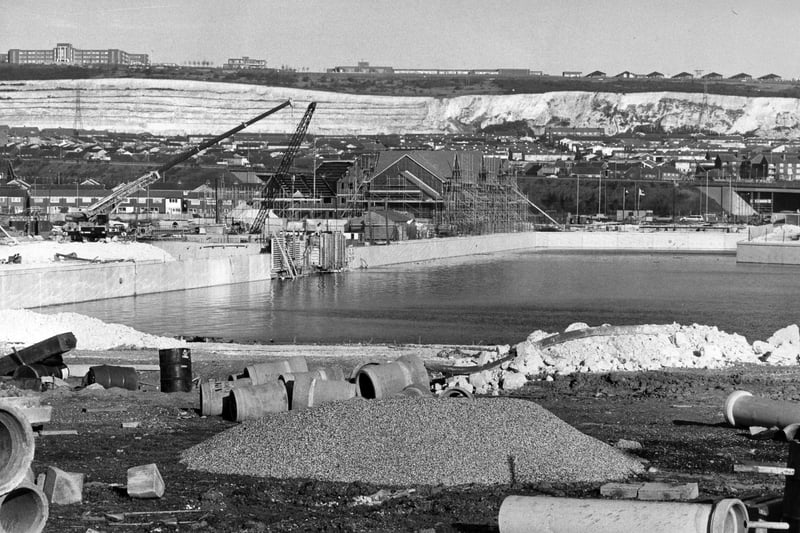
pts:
[458, 192]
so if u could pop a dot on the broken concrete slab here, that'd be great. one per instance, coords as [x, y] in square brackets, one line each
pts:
[668, 491]
[620, 490]
[651, 491]
[145, 481]
[63, 488]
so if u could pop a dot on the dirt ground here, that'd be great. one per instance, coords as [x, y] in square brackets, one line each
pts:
[675, 415]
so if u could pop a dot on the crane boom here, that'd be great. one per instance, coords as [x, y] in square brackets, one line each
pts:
[104, 206]
[273, 184]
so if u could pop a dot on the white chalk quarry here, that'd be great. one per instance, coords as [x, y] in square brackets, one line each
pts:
[169, 107]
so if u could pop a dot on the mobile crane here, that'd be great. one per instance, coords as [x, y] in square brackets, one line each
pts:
[93, 220]
[275, 183]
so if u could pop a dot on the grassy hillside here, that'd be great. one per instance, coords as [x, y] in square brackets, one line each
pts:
[395, 85]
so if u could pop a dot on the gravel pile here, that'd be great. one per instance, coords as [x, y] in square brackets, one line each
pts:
[401, 442]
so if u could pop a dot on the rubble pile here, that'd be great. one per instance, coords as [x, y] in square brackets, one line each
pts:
[638, 348]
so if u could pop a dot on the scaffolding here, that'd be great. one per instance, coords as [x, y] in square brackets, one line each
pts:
[473, 199]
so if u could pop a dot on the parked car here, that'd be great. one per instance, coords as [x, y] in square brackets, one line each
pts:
[692, 218]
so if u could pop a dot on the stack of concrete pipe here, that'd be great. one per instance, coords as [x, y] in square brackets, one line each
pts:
[23, 505]
[287, 384]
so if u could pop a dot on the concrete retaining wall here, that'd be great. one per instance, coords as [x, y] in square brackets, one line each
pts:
[778, 253]
[429, 249]
[52, 285]
[210, 265]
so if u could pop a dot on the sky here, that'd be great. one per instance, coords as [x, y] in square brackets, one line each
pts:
[642, 36]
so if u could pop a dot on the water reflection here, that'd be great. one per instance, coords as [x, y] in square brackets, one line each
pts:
[484, 299]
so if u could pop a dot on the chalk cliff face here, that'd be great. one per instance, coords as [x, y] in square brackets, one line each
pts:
[189, 107]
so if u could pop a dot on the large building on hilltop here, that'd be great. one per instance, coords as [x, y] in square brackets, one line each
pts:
[66, 54]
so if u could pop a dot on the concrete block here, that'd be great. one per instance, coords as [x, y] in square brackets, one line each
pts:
[668, 491]
[624, 444]
[621, 490]
[145, 482]
[63, 488]
[513, 380]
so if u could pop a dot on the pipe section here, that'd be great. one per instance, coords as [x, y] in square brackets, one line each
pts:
[545, 514]
[262, 373]
[23, 510]
[743, 410]
[16, 447]
[385, 380]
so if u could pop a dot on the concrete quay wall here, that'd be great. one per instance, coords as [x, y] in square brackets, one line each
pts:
[60, 284]
[777, 253]
[430, 249]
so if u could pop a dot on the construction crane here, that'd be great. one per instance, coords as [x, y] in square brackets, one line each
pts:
[275, 183]
[11, 174]
[97, 213]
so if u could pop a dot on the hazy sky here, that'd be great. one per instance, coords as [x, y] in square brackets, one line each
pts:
[669, 36]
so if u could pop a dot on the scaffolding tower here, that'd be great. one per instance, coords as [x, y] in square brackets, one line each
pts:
[473, 201]
[486, 205]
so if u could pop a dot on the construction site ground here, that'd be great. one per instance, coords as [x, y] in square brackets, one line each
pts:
[676, 416]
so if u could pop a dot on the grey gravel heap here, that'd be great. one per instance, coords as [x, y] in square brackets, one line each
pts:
[414, 441]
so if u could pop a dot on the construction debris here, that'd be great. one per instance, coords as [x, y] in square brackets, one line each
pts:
[145, 482]
[63, 488]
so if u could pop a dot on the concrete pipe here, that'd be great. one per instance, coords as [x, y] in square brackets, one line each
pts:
[267, 372]
[324, 391]
[415, 391]
[383, 381]
[16, 447]
[257, 401]
[545, 514]
[215, 394]
[456, 392]
[23, 510]
[743, 410]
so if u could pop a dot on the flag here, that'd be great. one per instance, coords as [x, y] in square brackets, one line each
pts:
[641, 192]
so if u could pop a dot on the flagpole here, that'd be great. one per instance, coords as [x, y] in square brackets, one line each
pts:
[624, 194]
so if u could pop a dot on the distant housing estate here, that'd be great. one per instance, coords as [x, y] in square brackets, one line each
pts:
[363, 67]
[66, 54]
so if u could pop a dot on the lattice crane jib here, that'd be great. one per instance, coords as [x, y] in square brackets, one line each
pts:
[274, 184]
[106, 205]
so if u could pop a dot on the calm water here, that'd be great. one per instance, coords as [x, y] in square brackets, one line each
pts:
[485, 299]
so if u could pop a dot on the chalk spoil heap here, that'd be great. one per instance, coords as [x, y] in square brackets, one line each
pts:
[414, 441]
[650, 347]
[20, 328]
